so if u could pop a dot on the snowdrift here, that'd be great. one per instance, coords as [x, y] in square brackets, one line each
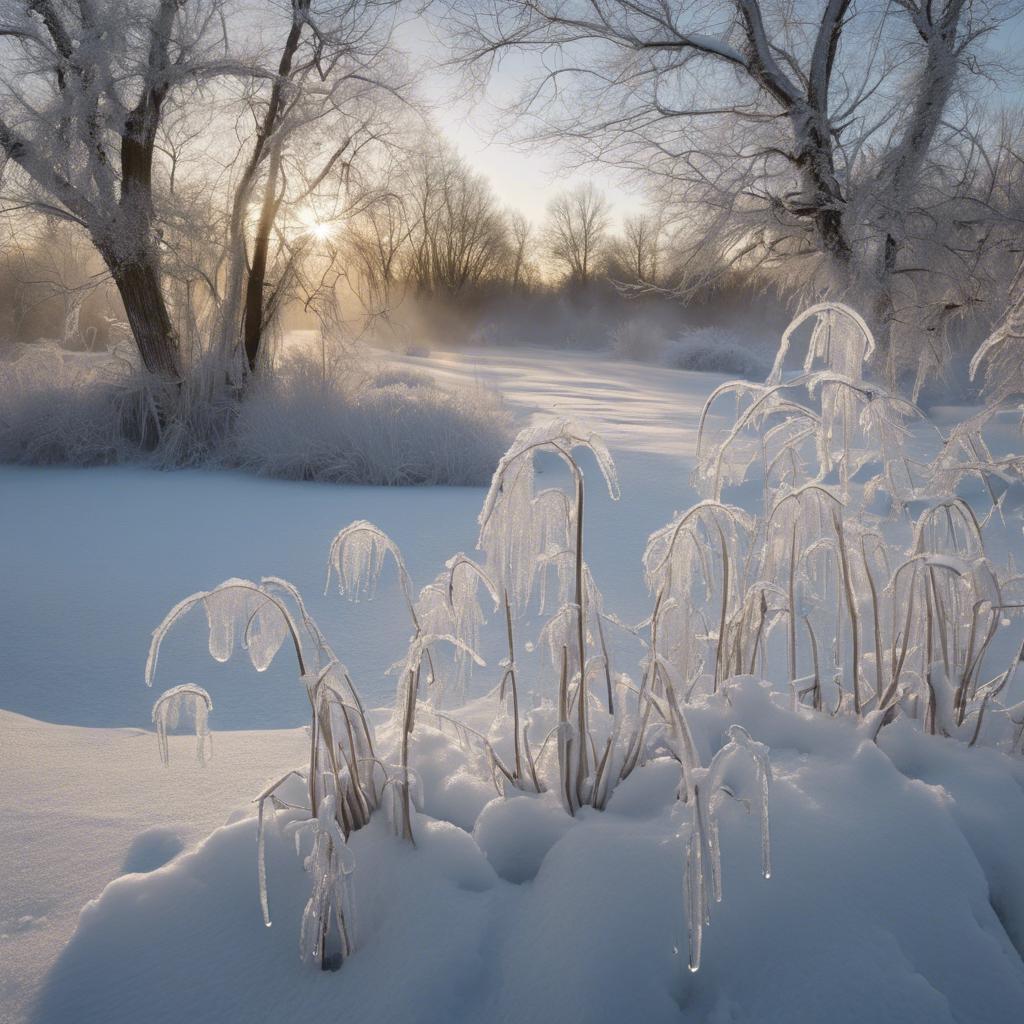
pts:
[896, 895]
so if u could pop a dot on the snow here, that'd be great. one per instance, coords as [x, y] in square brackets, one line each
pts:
[878, 907]
[896, 879]
[83, 806]
[83, 576]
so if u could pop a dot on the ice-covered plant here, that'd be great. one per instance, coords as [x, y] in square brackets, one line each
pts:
[523, 533]
[534, 543]
[695, 567]
[185, 701]
[910, 625]
[727, 777]
[821, 424]
[342, 779]
[357, 556]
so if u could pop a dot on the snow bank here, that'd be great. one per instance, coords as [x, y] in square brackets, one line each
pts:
[889, 901]
[81, 807]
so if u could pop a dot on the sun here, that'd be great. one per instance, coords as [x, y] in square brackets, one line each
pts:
[312, 226]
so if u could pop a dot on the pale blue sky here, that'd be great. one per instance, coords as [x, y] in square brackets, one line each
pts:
[527, 180]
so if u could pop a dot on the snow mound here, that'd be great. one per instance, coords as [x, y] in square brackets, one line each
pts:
[517, 834]
[895, 884]
[153, 849]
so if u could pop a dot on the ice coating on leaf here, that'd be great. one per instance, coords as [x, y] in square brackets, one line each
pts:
[508, 533]
[950, 527]
[840, 338]
[451, 605]
[265, 633]
[554, 435]
[740, 739]
[180, 609]
[236, 609]
[694, 566]
[357, 556]
[261, 861]
[176, 705]
[228, 610]
[329, 914]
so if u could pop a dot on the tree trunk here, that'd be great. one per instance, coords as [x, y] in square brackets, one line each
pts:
[138, 284]
[254, 322]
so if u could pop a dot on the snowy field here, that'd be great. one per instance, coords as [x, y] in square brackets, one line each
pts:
[897, 886]
[94, 558]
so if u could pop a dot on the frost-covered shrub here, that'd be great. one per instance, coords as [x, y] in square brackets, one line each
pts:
[343, 421]
[700, 349]
[387, 427]
[76, 408]
[638, 340]
[713, 350]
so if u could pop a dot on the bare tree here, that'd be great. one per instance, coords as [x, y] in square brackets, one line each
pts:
[521, 269]
[812, 143]
[53, 284]
[137, 120]
[458, 234]
[636, 257]
[575, 231]
[84, 86]
[326, 103]
[376, 243]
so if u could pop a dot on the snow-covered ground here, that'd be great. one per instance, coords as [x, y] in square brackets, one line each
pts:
[897, 889]
[92, 560]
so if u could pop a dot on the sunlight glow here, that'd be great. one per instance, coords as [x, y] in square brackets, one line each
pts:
[314, 227]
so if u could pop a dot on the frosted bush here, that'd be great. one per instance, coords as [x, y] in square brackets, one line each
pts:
[714, 350]
[73, 407]
[342, 421]
[638, 340]
[698, 349]
[393, 428]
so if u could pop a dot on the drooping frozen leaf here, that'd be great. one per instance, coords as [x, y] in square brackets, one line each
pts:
[178, 705]
[357, 556]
